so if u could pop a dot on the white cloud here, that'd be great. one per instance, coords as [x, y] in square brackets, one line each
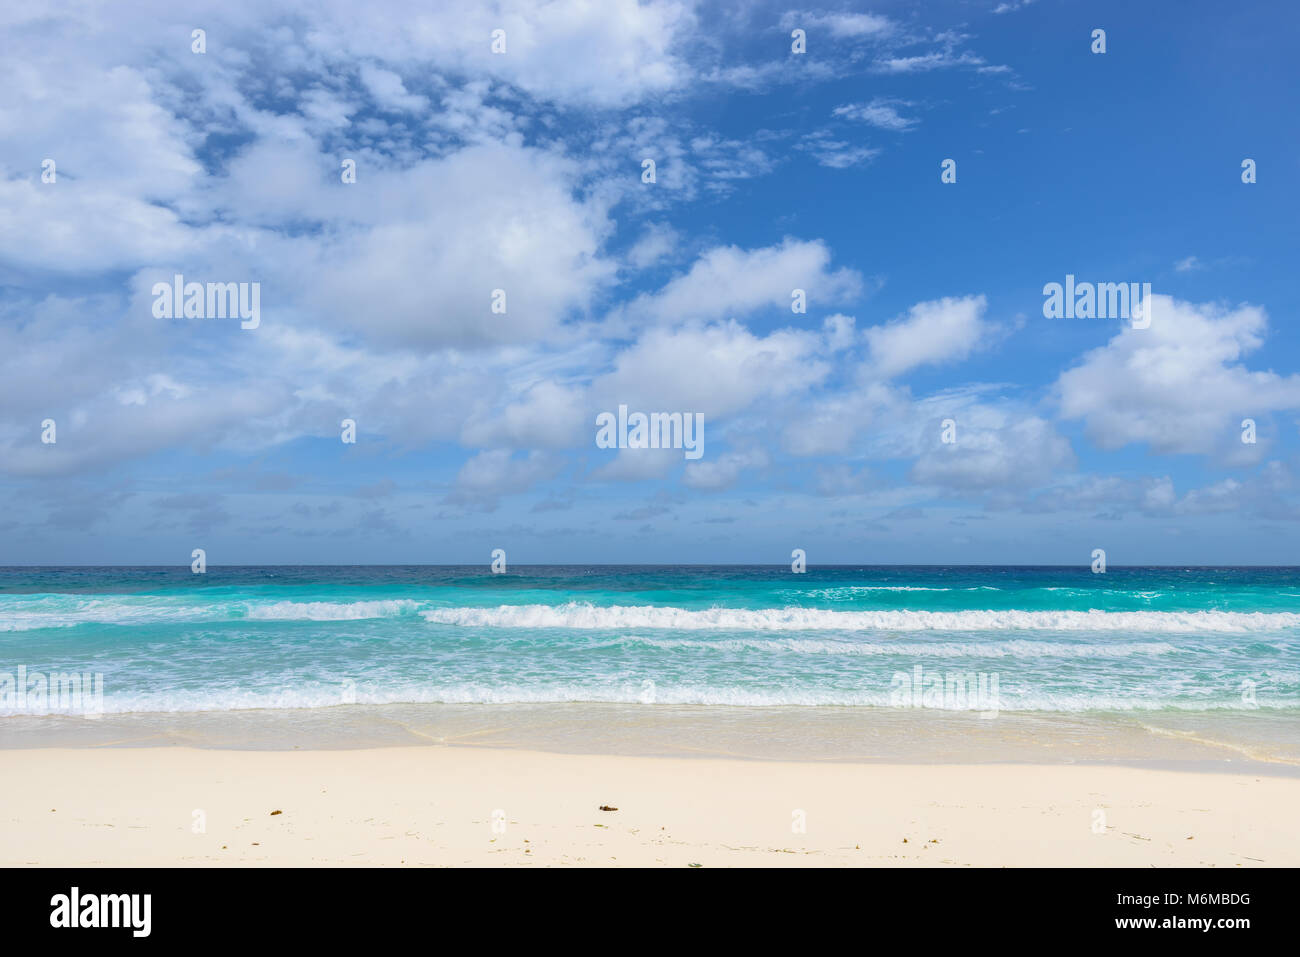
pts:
[839, 25]
[657, 242]
[72, 226]
[443, 235]
[833, 424]
[491, 474]
[996, 448]
[715, 369]
[637, 465]
[1180, 385]
[926, 62]
[880, 112]
[728, 280]
[723, 471]
[609, 54]
[547, 414]
[836, 154]
[840, 330]
[388, 90]
[938, 331]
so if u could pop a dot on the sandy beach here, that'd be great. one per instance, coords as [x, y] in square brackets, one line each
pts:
[458, 806]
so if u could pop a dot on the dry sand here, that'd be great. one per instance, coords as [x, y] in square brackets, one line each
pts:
[437, 806]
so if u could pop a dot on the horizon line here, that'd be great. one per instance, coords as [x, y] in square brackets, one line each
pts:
[487, 564]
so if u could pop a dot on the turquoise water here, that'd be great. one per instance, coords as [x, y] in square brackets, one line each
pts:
[999, 640]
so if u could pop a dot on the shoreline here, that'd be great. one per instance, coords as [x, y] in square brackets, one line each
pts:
[1255, 742]
[444, 806]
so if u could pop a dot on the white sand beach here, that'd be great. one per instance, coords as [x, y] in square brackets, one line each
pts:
[458, 806]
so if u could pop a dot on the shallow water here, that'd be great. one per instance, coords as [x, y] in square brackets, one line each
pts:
[895, 663]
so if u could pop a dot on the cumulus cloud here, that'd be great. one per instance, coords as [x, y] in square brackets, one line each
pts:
[496, 472]
[715, 369]
[444, 235]
[1262, 493]
[657, 242]
[388, 90]
[723, 471]
[993, 450]
[833, 423]
[728, 280]
[931, 332]
[609, 54]
[520, 173]
[1181, 385]
[547, 414]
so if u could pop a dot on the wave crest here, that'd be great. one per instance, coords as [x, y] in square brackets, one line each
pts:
[586, 615]
[331, 611]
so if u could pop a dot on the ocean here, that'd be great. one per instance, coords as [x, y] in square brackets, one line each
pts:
[843, 661]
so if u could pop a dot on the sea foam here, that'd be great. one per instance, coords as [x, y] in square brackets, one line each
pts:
[584, 615]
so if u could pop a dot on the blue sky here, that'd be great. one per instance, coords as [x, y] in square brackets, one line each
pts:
[775, 171]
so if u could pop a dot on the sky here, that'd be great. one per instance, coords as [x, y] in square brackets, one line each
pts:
[463, 252]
